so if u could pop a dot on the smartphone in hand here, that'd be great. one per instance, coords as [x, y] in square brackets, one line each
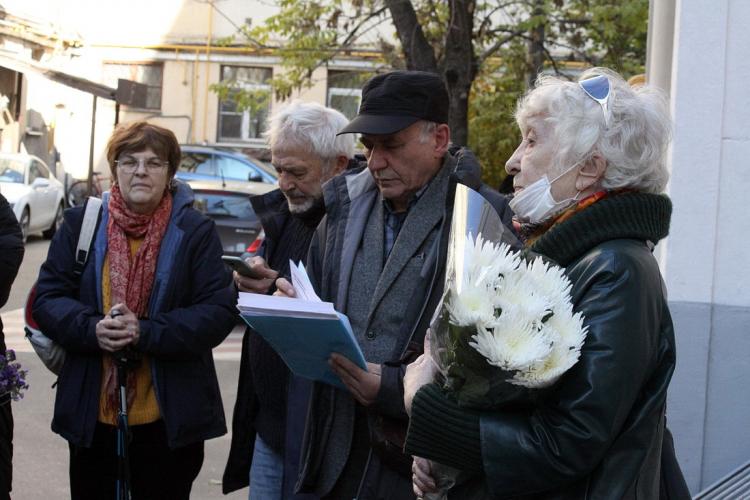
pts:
[239, 265]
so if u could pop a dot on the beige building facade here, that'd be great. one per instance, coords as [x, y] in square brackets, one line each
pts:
[179, 49]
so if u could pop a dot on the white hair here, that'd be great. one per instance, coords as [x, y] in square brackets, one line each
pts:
[634, 143]
[312, 128]
[428, 128]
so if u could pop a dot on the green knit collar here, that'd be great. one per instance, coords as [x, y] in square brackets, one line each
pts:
[640, 216]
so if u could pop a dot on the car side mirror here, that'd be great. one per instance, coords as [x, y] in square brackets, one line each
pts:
[40, 182]
[254, 177]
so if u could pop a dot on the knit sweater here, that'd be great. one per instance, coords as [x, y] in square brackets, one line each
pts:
[144, 408]
[444, 432]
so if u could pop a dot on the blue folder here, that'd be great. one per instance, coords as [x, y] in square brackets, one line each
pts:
[306, 344]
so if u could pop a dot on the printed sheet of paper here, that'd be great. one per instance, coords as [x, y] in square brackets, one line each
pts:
[301, 282]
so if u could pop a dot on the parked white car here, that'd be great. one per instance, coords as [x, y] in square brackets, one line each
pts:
[36, 196]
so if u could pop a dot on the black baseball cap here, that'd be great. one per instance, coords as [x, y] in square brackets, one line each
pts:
[393, 101]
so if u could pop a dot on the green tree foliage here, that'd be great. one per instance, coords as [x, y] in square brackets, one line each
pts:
[486, 51]
[252, 100]
[493, 134]
[585, 33]
[607, 33]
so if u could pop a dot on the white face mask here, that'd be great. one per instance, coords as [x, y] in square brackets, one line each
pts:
[535, 203]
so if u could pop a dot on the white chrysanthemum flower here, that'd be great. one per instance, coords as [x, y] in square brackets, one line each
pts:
[487, 258]
[547, 371]
[511, 343]
[550, 282]
[472, 306]
[517, 295]
[567, 328]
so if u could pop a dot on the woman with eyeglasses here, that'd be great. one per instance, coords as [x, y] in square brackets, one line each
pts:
[154, 295]
[588, 179]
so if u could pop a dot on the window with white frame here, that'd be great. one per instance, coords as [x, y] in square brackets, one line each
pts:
[243, 111]
[149, 74]
[345, 91]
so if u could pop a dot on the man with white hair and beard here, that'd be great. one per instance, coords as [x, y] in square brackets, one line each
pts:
[305, 152]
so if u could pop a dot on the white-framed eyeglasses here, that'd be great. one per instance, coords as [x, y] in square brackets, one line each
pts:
[130, 164]
[597, 88]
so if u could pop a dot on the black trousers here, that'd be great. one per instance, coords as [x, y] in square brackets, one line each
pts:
[6, 448]
[156, 472]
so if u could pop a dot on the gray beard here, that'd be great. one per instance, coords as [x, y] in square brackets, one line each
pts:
[301, 208]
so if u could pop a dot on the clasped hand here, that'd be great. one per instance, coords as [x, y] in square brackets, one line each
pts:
[113, 334]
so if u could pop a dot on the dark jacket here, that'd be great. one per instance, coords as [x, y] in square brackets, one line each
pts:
[349, 202]
[596, 434]
[262, 386]
[191, 310]
[11, 255]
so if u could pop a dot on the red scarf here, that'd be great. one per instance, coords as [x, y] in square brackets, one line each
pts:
[132, 277]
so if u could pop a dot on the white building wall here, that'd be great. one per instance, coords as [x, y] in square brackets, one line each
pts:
[732, 286]
[706, 260]
[70, 112]
[697, 104]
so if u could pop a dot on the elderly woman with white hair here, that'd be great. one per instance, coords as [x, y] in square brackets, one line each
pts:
[271, 404]
[588, 175]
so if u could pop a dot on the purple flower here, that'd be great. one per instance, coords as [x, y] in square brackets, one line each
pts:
[12, 376]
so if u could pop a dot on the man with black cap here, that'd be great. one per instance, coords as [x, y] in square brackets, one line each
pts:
[375, 256]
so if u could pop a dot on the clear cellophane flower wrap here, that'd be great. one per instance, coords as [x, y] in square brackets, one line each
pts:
[505, 328]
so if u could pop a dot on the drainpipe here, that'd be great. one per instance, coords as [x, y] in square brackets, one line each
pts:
[659, 49]
[208, 69]
[660, 44]
[194, 93]
[90, 178]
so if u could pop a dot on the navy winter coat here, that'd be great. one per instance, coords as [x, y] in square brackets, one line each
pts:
[191, 310]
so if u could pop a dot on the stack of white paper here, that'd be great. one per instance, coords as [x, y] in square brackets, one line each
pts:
[303, 331]
[268, 305]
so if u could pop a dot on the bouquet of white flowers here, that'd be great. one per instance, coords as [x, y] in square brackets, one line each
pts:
[505, 326]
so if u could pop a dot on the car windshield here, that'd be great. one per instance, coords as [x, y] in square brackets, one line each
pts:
[11, 170]
[224, 205]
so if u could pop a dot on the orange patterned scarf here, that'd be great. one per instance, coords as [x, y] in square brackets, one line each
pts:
[132, 276]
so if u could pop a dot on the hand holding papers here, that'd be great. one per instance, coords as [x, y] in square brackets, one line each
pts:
[304, 331]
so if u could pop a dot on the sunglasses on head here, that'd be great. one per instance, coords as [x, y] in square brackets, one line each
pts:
[597, 88]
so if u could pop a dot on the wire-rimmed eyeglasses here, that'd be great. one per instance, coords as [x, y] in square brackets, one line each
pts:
[130, 164]
[597, 88]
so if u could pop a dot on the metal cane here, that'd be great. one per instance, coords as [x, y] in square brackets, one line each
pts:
[124, 360]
